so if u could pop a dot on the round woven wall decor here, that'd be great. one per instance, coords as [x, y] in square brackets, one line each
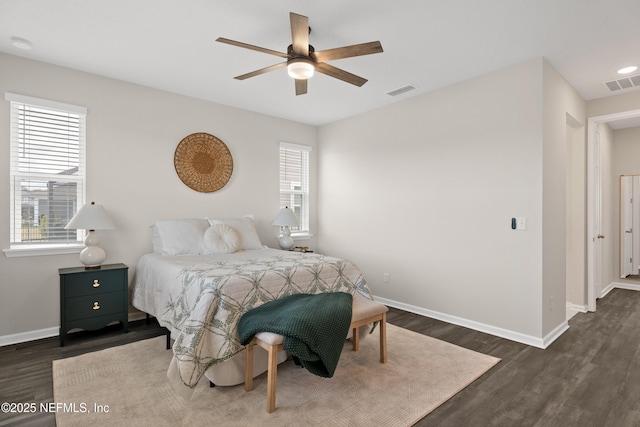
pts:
[203, 162]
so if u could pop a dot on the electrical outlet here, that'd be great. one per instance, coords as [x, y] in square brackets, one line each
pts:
[386, 278]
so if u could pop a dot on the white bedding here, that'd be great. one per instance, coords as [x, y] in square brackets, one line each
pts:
[200, 299]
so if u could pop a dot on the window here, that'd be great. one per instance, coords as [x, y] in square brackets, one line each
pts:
[47, 171]
[294, 183]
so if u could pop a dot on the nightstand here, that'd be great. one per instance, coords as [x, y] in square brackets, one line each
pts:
[91, 299]
[303, 249]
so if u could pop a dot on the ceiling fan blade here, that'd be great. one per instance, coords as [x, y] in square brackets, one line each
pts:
[261, 71]
[301, 86]
[252, 47]
[332, 71]
[299, 33]
[347, 51]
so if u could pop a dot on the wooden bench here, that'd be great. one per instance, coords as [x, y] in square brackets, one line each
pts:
[364, 312]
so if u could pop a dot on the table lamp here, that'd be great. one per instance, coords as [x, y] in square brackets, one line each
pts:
[285, 219]
[91, 217]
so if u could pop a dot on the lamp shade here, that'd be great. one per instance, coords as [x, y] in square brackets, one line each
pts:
[91, 217]
[285, 218]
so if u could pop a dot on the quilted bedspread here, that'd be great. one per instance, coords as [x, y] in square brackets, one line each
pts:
[207, 298]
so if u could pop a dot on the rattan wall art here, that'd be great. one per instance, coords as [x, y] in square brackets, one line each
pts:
[203, 162]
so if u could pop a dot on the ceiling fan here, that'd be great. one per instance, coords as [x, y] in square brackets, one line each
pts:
[302, 59]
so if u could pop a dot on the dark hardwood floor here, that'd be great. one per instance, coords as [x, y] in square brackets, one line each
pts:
[25, 369]
[590, 376]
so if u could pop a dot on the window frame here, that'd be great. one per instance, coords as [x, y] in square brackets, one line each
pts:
[16, 246]
[288, 192]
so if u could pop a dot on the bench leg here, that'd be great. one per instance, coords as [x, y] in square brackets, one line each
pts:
[272, 375]
[248, 368]
[355, 338]
[383, 338]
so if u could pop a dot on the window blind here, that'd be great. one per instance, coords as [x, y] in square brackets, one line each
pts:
[294, 183]
[47, 170]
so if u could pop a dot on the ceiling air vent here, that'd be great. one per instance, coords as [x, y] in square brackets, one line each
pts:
[623, 83]
[401, 90]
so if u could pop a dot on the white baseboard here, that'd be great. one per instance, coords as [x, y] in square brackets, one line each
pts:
[29, 336]
[481, 327]
[48, 332]
[577, 308]
[604, 292]
[573, 309]
[623, 285]
[137, 316]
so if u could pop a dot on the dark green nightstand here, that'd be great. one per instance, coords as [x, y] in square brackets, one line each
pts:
[91, 299]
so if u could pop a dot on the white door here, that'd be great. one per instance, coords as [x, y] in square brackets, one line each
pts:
[598, 236]
[594, 212]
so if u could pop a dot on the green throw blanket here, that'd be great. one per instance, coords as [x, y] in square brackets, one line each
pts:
[314, 327]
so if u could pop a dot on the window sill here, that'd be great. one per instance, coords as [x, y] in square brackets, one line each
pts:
[39, 250]
[301, 236]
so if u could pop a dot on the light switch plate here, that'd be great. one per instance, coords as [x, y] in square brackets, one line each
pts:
[521, 223]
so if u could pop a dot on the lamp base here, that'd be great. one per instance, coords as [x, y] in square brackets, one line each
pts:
[285, 240]
[93, 255]
[286, 243]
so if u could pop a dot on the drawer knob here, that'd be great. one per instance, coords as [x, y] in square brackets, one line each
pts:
[96, 306]
[96, 283]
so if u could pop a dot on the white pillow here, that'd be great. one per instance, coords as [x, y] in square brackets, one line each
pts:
[249, 239]
[221, 239]
[179, 236]
[156, 239]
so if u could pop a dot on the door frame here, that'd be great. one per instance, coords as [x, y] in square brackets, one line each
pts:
[594, 262]
[627, 226]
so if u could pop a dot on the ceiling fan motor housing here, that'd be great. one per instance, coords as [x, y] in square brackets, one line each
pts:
[291, 53]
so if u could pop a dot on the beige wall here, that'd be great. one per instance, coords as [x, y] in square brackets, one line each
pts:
[614, 104]
[563, 109]
[425, 189]
[132, 135]
[576, 215]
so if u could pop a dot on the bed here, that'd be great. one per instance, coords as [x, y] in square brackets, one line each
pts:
[198, 287]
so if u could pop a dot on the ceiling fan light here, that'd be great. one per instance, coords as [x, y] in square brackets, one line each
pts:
[21, 43]
[300, 69]
[627, 70]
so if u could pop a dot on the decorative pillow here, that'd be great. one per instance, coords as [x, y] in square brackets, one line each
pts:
[179, 236]
[249, 239]
[221, 239]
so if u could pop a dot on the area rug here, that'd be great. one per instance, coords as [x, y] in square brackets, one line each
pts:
[127, 386]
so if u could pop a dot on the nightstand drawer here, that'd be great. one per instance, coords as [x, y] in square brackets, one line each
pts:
[94, 305]
[91, 283]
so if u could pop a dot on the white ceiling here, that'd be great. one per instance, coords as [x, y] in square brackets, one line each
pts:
[170, 45]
